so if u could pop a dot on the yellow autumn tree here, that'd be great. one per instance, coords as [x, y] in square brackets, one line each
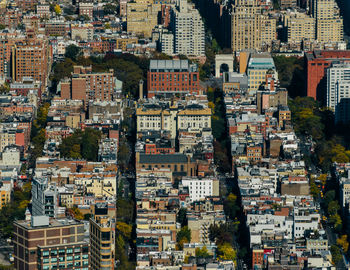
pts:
[125, 229]
[343, 242]
[227, 252]
[58, 10]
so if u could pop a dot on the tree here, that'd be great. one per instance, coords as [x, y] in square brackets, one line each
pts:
[76, 213]
[5, 88]
[230, 206]
[182, 216]
[202, 252]
[343, 242]
[227, 252]
[58, 10]
[125, 210]
[73, 52]
[124, 229]
[183, 236]
[329, 197]
[69, 10]
[124, 154]
[109, 9]
[81, 144]
[84, 18]
[336, 254]
[2, 26]
[333, 208]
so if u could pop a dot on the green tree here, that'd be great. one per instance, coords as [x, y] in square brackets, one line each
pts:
[182, 216]
[336, 254]
[231, 206]
[84, 18]
[81, 144]
[73, 52]
[333, 208]
[124, 154]
[109, 9]
[202, 252]
[183, 236]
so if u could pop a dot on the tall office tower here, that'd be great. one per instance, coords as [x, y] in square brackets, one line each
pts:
[329, 24]
[250, 29]
[188, 30]
[102, 239]
[45, 243]
[44, 198]
[338, 84]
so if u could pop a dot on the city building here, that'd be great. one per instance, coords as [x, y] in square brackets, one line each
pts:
[317, 63]
[32, 58]
[299, 27]
[44, 198]
[250, 28]
[44, 243]
[284, 4]
[86, 9]
[170, 77]
[82, 31]
[142, 17]
[87, 85]
[188, 30]
[338, 84]
[200, 188]
[329, 24]
[102, 239]
[259, 65]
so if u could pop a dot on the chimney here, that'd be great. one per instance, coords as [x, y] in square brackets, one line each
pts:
[141, 89]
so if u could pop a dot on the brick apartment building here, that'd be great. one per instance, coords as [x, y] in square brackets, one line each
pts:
[317, 63]
[26, 5]
[87, 85]
[50, 244]
[86, 9]
[170, 77]
[32, 58]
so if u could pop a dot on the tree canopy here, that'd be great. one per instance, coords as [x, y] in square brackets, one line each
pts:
[81, 144]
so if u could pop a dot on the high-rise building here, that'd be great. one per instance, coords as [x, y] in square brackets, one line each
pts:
[102, 239]
[338, 84]
[267, 31]
[142, 16]
[317, 63]
[32, 58]
[329, 24]
[188, 30]
[170, 77]
[44, 198]
[44, 243]
[300, 26]
[251, 29]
